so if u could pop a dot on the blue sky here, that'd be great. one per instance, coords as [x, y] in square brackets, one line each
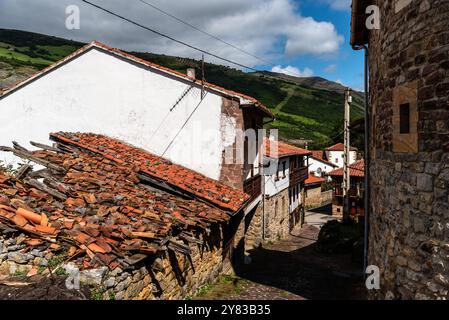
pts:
[345, 65]
[305, 37]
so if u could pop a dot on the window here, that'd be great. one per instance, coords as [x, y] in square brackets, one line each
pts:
[283, 169]
[336, 160]
[404, 118]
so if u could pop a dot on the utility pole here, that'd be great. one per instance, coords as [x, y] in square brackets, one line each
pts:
[347, 143]
[202, 77]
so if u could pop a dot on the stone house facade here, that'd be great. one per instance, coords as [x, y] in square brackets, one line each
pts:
[283, 188]
[313, 195]
[408, 63]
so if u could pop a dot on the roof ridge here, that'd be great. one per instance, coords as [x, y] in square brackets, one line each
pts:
[100, 45]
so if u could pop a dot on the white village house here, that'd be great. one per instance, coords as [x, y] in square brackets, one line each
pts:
[318, 166]
[335, 153]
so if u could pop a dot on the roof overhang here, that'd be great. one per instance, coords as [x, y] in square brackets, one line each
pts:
[244, 100]
[359, 31]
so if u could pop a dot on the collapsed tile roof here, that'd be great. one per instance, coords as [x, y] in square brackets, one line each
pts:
[92, 198]
[279, 149]
[160, 169]
[245, 100]
[357, 169]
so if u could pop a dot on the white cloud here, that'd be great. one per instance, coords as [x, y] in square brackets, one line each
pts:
[271, 29]
[293, 71]
[330, 68]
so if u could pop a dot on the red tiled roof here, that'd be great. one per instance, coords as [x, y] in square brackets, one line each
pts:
[317, 154]
[95, 44]
[95, 206]
[339, 147]
[314, 179]
[357, 169]
[283, 149]
[161, 169]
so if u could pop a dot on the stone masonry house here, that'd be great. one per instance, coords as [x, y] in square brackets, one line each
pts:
[191, 122]
[134, 225]
[283, 188]
[313, 195]
[408, 60]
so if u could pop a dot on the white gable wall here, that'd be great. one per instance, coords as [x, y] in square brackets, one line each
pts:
[314, 164]
[99, 93]
[336, 157]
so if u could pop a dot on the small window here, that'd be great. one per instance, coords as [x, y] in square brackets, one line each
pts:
[404, 118]
[283, 169]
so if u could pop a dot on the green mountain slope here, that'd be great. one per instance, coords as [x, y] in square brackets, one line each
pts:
[306, 109]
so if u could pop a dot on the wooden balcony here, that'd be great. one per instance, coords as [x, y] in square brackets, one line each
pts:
[298, 175]
[338, 192]
[253, 186]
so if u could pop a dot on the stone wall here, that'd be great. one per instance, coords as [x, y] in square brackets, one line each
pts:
[277, 216]
[247, 235]
[167, 275]
[409, 229]
[313, 196]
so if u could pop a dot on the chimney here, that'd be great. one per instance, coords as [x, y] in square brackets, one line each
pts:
[191, 73]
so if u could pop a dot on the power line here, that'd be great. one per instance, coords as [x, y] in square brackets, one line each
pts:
[168, 37]
[206, 33]
[184, 124]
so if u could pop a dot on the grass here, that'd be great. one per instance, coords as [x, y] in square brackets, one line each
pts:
[225, 285]
[19, 274]
[96, 293]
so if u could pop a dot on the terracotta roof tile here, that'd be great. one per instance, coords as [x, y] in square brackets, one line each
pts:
[313, 179]
[280, 149]
[339, 147]
[317, 154]
[357, 169]
[108, 215]
[180, 177]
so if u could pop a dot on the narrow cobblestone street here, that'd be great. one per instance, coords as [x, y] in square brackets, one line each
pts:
[292, 269]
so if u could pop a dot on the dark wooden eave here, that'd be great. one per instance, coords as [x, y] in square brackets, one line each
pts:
[359, 32]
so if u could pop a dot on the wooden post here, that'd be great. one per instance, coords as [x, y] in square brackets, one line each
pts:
[346, 172]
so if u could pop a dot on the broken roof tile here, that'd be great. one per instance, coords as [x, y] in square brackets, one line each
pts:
[126, 217]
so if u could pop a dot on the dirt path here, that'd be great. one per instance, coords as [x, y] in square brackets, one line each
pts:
[292, 269]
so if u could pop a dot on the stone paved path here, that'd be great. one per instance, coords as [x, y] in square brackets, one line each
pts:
[293, 269]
